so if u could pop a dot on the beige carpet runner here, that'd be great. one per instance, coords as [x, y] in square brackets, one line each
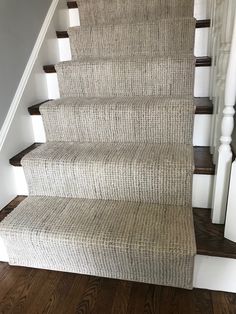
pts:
[111, 190]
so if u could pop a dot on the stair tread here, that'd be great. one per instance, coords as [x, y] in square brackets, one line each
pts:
[105, 232]
[135, 39]
[143, 119]
[199, 24]
[209, 237]
[203, 106]
[200, 62]
[202, 157]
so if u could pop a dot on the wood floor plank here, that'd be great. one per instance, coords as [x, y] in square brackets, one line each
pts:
[223, 303]
[31, 292]
[137, 298]
[202, 302]
[17, 292]
[9, 277]
[105, 296]
[89, 298]
[153, 300]
[59, 292]
[71, 301]
[41, 291]
[44, 296]
[121, 298]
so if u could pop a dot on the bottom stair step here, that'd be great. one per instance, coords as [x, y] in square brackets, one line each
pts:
[126, 240]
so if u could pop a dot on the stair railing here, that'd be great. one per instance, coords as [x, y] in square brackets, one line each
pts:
[223, 95]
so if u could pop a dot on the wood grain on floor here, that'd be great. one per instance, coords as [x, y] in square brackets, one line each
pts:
[29, 291]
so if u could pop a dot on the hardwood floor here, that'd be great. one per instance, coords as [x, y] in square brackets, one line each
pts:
[30, 291]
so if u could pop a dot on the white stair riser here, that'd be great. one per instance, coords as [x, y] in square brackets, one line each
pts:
[201, 86]
[205, 270]
[200, 50]
[201, 134]
[202, 187]
[201, 12]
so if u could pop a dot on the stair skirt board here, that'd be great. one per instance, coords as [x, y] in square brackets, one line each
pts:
[130, 214]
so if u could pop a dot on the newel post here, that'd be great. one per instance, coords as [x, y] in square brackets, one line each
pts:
[223, 168]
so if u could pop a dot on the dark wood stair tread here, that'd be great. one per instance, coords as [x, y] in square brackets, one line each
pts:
[72, 5]
[202, 158]
[199, 24]
[200, 62]
[209, 237]
[203, 106]
[203, 161]
[16, 160]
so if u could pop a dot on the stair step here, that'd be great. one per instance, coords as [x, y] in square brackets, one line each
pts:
[209, 237]
[202, 158]
[203, 106]
[150, 252]
[199, 24]
[200, 62]
[72, 5]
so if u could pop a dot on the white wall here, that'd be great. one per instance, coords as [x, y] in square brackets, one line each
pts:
[20, 23]
[17, 132]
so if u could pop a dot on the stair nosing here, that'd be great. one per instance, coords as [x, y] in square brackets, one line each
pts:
[200, 62]
[199, 169]
[199, 24]
[206, 109]
[210, 239]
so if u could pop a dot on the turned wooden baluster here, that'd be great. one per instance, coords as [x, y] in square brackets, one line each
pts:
[221, 184]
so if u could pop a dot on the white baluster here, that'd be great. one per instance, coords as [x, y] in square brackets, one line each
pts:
[221, 184]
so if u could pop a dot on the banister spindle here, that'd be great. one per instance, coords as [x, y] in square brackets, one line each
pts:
[221, 184]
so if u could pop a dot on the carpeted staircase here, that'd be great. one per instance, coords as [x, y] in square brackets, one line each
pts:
[111, 190]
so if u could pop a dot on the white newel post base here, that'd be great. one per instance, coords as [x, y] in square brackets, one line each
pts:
[221, 186]
[230, 229]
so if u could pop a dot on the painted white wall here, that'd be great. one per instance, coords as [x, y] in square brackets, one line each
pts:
[17, 131]
[20, 23]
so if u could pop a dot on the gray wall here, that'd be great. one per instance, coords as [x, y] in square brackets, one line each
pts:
[20, 24]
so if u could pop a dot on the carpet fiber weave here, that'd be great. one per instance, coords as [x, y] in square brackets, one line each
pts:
[117, 40]
[119, 171]
[140, 76]
[129, 11]
[128, 119]
[111, 190]
[125, 240]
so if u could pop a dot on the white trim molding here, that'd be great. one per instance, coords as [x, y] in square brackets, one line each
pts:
[230, 224]
[25, 77]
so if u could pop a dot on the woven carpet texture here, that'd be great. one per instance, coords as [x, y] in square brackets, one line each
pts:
[110, 192]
